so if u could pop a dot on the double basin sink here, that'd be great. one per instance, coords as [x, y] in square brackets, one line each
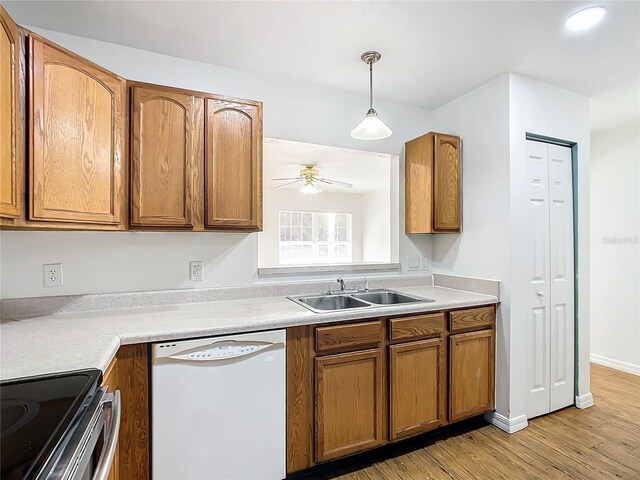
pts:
[366, 299]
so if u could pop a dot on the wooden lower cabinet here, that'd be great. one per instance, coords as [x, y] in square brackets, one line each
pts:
[471, 374]
[417, 382]
[349, 403]
[128, 373]
[385, 379]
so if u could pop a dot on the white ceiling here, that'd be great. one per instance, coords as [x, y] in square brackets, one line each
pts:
[367, 171]
[432, 52]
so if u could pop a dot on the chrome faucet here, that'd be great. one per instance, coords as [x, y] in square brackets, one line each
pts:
[343, 288]
[341, 282]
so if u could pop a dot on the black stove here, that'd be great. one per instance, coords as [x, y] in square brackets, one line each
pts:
[36, 414]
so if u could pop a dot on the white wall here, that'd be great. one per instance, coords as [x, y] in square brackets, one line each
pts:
[493, 121]
[376, 226]
[481, 118]
[615, 253]
[293, 110]
[276, 200]
[539, 108]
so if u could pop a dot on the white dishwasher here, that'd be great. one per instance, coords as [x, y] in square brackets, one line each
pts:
[218, 408]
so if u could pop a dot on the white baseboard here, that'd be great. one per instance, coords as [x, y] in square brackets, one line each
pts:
[509, 425]
[584, 401]
[617, 364]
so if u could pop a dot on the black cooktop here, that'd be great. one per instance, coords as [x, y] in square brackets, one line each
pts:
[35, 414]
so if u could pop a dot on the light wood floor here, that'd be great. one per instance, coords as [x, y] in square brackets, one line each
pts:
[601, 442]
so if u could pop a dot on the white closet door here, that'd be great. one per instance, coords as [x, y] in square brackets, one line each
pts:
[561, 277]
[538, 364]
[550, 366]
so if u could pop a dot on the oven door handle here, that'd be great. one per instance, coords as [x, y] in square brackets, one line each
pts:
[111, 443]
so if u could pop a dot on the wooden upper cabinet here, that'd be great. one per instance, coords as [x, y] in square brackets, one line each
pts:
[349, 403]
[11, 116]
[167, 139]
[77, 162]
[417, 387]
[433, 184]
[233, 164]
[471, 374]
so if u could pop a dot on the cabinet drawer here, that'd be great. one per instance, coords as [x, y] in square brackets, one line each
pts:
[420, 326]
[351, 336]
[473, 318]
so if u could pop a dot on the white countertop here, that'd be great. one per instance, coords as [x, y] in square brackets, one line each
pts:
[72, 341]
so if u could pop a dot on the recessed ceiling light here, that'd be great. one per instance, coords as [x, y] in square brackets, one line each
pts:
[584, 19]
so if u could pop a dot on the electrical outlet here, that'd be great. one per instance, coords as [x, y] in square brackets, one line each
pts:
[196, 271]
[413, 263]
[52, 275]
[424, 263]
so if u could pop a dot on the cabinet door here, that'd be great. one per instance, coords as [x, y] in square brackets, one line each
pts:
[446, 183]
[11, 94]
[167, 140]
[77, 138]
[349, 403]
[471, 374]
[418, 387]
[110, 380]
[233, 164]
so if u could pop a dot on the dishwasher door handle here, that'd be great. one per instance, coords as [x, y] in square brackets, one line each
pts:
[224, 350]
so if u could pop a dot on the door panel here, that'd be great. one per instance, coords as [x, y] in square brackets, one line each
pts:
[233, 164]
[561, 277]
[77, 134]
[417, 386]
[349, 403]
[471, 374]
[551, 345]
[11, 154]
[167, 131]
[447, 173]
[538, 371]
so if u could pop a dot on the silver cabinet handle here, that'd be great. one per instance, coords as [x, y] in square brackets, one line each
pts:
[541, 293]
[111, 443]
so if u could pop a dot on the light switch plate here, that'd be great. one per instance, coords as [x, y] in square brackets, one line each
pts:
[52, 275]
[424, 263]
[196, 271]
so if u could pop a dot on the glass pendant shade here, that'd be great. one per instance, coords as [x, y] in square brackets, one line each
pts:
[310, 188]
[371, 128]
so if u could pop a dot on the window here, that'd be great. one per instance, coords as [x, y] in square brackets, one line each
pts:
[315, 237]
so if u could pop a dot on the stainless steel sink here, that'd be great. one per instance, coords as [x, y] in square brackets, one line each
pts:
[331, 302]
[369, 299]
[388, 298]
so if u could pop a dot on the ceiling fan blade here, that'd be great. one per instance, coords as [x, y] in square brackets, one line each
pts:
[288, 183]
[286, 178]
[334, 182]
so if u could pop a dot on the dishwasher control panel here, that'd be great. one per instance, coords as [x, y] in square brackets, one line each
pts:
[223, 351]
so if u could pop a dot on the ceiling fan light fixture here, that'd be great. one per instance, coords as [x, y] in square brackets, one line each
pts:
[371, 127]
[310, 188]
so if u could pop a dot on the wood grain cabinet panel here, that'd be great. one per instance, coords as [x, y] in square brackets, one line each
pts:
[433, 184]
[446, 183]
[111, 381]
[417, 384]
[417, 326]
[471, 374]
[11, 116]
[167, 136]
[349, 403]
[233, 164]
[472, 319]
[349, 337]
[77, 138]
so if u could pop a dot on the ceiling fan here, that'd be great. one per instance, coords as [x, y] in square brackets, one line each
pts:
[309, 175]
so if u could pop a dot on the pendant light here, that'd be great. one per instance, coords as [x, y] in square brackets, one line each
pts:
[371, 127]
